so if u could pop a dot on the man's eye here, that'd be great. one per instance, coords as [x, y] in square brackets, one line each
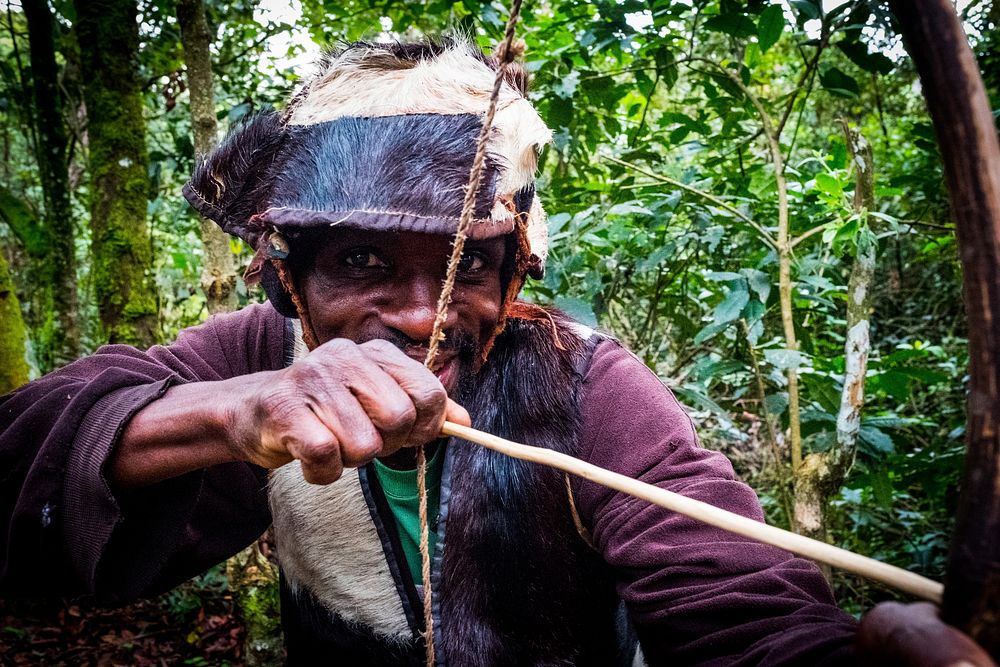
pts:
[363, 259]
[470, 262]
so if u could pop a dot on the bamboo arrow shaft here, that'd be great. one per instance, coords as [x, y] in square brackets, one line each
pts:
[843, 559]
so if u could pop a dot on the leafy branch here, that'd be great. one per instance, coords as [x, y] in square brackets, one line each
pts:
[700, 193]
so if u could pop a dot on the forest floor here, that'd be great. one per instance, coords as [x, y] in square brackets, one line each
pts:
[191, 625]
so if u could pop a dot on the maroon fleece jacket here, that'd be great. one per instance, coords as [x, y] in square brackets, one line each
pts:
[696, 594]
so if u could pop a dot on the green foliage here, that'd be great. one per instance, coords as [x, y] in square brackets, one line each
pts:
[185, 601]
[13, 367]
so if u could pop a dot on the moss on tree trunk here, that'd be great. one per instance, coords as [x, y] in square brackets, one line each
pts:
[108, 36]
[218, 277]
[13, 367]
[253, 580]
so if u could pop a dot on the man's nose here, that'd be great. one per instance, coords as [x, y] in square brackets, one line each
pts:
[413, 311]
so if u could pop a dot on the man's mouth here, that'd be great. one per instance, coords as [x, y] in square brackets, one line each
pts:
[445, 365]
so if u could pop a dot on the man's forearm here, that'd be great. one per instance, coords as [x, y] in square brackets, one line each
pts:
[185, 430]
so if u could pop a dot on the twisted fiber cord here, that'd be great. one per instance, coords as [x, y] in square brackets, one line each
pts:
[285, 276]
[505, 56]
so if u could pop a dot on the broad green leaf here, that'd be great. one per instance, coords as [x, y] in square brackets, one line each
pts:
[722, 276]
[760, 283]
[888, 421]
[783, 358]
[680, 134]
[628, 208]
[238, 112]
[730, 307]
[925, 375]
[733, 24]
[671, 117]
[556, 221]
[876, 439]
[770, 26]
[776, 403]
[755, 331]
[693, 395]
[808, 9]
[858, 54]
[656, 257]
[822, 390]
[753, 311]
[838, 154]
[828, 184]
[837, 82]
[726, 366]
[892, 382]
[709, 332]
[846, 232]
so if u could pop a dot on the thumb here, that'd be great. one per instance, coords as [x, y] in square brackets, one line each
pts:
[454, 412]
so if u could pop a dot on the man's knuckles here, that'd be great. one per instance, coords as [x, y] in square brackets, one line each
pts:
[361, 449]
[430, 395]
[396, 417]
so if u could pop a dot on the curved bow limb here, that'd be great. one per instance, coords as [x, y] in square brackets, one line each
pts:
[967, 137]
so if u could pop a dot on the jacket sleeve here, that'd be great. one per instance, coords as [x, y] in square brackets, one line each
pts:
[696, 594]
[62, 529]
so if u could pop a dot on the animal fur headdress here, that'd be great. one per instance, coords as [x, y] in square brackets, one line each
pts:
[382, 138]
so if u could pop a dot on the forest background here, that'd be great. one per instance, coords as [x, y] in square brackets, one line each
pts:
[747, 194]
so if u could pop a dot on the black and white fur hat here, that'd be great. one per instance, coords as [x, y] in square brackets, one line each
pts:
[382, 138]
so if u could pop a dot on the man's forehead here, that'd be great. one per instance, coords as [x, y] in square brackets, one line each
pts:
[404, 241]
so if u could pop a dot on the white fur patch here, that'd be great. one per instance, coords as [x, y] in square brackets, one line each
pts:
[328, 545]
[538, 231]
[455, 82]
[299, 348]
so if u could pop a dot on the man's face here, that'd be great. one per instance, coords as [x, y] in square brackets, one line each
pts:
[365, 285]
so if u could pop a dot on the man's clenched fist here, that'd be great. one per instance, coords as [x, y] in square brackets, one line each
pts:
[339, 407]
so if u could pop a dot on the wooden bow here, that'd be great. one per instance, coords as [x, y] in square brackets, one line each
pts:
[967, 137]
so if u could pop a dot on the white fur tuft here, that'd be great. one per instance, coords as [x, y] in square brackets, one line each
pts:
[538, 231]
[328, 545]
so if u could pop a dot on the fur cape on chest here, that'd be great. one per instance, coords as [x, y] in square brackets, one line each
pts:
[513, 581]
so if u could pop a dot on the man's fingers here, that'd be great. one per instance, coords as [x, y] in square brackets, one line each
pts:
[388, 406]
[425, 390]
[353, 428]
[310, 441]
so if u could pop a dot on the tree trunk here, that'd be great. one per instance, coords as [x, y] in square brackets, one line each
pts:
[823, 473]
[967, 138]
[13, 366]
[60, 340]
[253, 580]
[108, 36]
[218, 277]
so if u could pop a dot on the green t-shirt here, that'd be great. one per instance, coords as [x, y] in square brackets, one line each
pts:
[400, 489]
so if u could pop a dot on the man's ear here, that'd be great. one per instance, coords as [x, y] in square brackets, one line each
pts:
[232, 182]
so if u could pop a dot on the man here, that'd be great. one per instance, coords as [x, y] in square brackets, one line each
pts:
[128, 472]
